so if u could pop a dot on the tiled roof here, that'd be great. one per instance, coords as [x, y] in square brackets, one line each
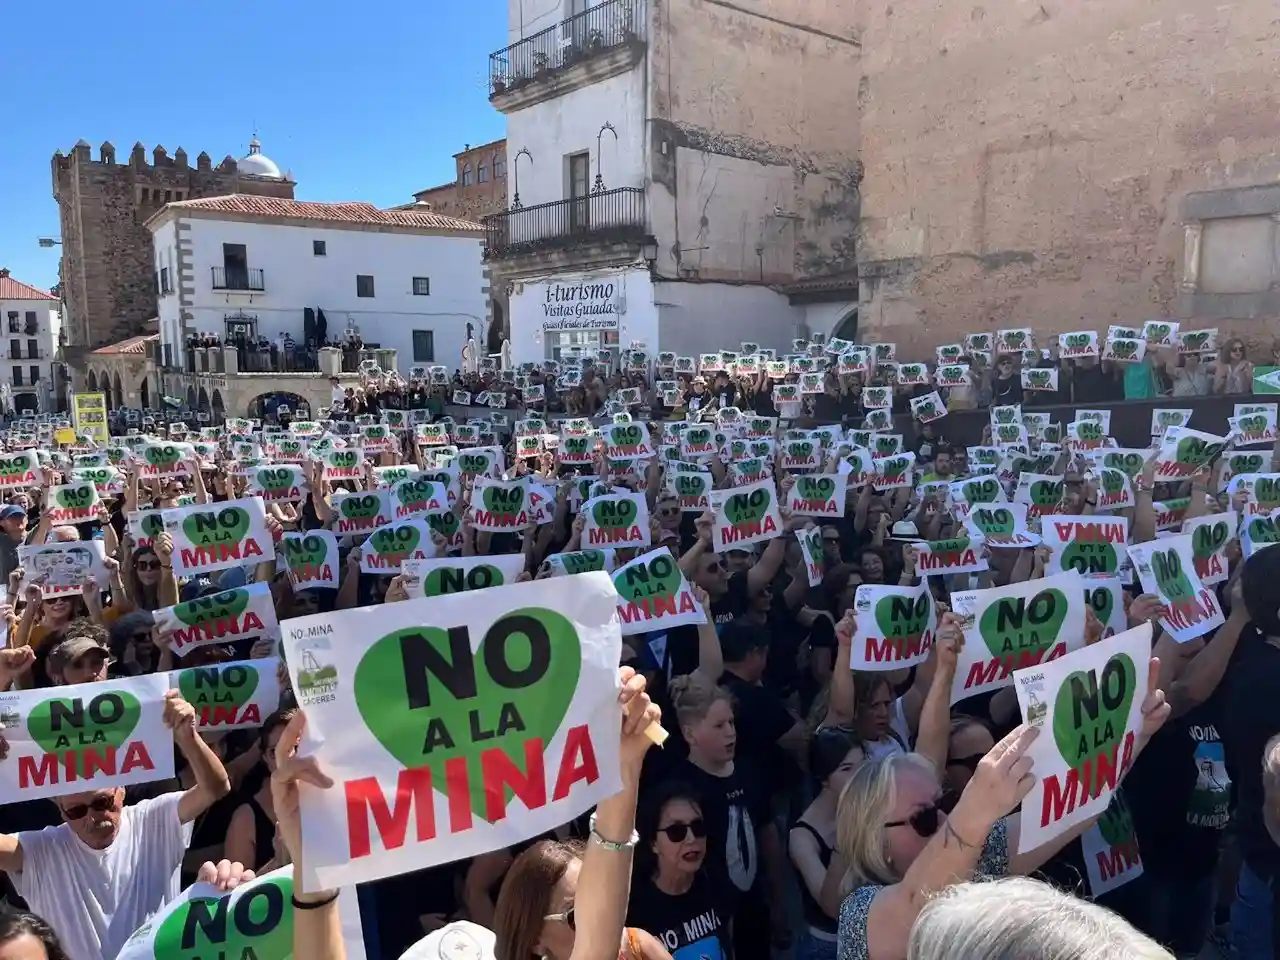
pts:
[846, 280]
[134, 346]
[11, 289]
[352, 212]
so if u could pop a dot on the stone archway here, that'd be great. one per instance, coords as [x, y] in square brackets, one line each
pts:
[144, 393]
[92, 381]
[191, 398]
[202, 399]
[26, 402]
[846, 328]
[117, 394]
[219, 409]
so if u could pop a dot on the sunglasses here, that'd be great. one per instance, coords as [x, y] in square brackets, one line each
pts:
[147, 564]
[58, 600]
[676, 832]
[566, 918]
[925, 821]
[81, 810]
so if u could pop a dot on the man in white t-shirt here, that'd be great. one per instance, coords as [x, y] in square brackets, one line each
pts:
[107, 868]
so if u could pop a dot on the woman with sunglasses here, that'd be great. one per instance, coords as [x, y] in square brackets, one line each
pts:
[1233, 373]
[674, 895]
[148, 577]
[834, 755]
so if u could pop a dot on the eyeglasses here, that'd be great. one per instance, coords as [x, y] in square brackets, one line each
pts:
[147, 564]
[81, 810]
[676, 832]
[566, 918]
[925, 821]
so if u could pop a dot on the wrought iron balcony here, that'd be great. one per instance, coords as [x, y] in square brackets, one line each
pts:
[610, 215]
[606, 26]
[238, 278]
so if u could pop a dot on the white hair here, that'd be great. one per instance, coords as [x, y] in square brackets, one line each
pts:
[1021, 919]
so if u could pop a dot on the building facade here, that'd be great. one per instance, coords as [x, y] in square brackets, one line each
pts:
[35, 380]
[1068, 165]
[278, 279]
[478, 189]
[108, 280]
[673, 169]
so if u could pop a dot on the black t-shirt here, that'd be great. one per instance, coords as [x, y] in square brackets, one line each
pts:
[693, 925]
[1095, 385]
[1179, 794]
[761, 719]
[1250, 717]
[1005, 391]
[736, 809]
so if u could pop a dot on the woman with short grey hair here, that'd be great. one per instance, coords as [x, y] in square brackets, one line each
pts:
[1021, 919]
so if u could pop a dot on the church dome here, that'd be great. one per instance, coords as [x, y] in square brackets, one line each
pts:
[257, 163]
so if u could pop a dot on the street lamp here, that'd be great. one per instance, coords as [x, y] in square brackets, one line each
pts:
[599, 185]
[515, 170]
[48, 242]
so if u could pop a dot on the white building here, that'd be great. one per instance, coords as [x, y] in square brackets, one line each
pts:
[32, 321]
[679, 173]
[252, 267]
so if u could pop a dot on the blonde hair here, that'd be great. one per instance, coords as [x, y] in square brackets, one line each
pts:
[693, 695]
[861, 813]
[1022, 919]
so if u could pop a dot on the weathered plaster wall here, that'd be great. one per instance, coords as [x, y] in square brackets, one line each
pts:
[1027, 161]
[754, 137]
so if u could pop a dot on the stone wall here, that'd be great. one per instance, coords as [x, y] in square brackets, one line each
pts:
[1028, 163]
[478, 200]
[108, 266]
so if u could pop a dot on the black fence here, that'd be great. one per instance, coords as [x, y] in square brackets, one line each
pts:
[238, 278]
[606, 26]
[609, 215]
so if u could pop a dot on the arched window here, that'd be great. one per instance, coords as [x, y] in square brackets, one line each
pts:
[466, 174]
[499, 166]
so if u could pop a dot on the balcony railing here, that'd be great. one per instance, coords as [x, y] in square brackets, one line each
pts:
[612, 24]
[609, 215]
[238, 278]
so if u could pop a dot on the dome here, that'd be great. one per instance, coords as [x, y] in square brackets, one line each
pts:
[258, 164]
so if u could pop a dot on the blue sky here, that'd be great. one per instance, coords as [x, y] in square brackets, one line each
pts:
[365, 101]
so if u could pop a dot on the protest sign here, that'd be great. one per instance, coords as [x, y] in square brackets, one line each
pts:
[72, 503]
[1209, 538]
[19, 470]
[279, 483]
[626, 441]
[1088, 706]
[1010, 628]
[616, 520]
[1083, 343]
[418, 497]
[691, 489]
[818, 495]
[343, 464]
[87, 737]
[1106, 596]
[1183, 451]
[963, 554]
[653, 594]
[208, 537]
[500, 505]
[895, 472]
[164, 460]
[440, 577]
[744, 515]
[1167, 568]
[62, 568]
[811, 549]
[494, 724]
[928, 408]
[230, 696]
[1042, 493]
[144, 527]
[388, 547]
[241, 613]
[357, 513]
[895, 626]
[1001, 525]
[579, 561]
[310, 559]
[1092, 545]
[804, 453]
[1110, 849]
[1115, 490]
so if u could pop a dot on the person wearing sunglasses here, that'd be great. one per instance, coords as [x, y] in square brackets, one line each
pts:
[674, 894]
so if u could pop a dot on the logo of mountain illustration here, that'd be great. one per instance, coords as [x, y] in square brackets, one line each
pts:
[387, 690]
[314, 677]
[76, 498]
[1090, 716]
[1124, 348]
[69, 727]
[1078, 341]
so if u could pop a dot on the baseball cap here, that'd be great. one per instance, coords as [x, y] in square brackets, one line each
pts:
[460, 940]
[10, 510]
[69, 651]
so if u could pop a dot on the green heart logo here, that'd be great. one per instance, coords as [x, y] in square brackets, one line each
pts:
[614, 514]
[1016, 339]
[658, 577]
[903, 619]
[998, 522]
[227, 605]
[443, 581]
[894, 467]
[1208, 538]
[208, 527]
[1038, 378]
[152, 525]
[414, 494]
[951, 374]
[910, 371]
[1129, 463]
[1158, 331]
[66, 726]
[886, 445]
[575, 446]
[1196, 452]
[401, 538]
[747, 508]
[1113, 481]
[445, 524]
[258, 925]
[15, 466]
[1077, 340]
[75, 498]
[1266, 491]
[1089, 430]
[473, 464]
[1090, 714]
[280, 478]
[801, 449]
[1101, 599]
[1170, 418]
[360, 506]
[1046, 493]
[162, 455]
[307, 552]
[981, 491]
[1195, 341]
[583, 561]
[926, 409]
[1089, 556]
[690, 484]
[1022, 627]
[344, 459]
[1254, 424]
[815, 488]
[428, 699]
[1116, 823]
[216, 692]
[626, 435]
[1008, 432]
[1124, 348]
[504, 501]
[1263, 530]
[1171, 580]
[698, 436]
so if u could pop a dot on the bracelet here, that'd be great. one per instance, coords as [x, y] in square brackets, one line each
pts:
[611, 845]
[314, 904]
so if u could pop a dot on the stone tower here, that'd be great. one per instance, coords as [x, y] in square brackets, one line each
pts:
[108, 264]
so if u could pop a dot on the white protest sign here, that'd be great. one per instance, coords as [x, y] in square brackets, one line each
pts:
[1167, 568]
[310, 559]
[653, 594]
[72, 503]
[86, 737]
[278, 483]
[388, 547]
[896, 626]
[230, 696]
[164, 460]
[811, 549]
[1009, 628]
[818, 495]
[1091, 545]
[62, 568]
[616, 520]
[214, 536]
[964, 554]
[744, 515]
[579, 561]
[1110, 849]
[496, 723]
[18, 470]
[441, 577]
[1209, 538]
[241, 613]
[1088, 706]
[500, 506]
[1001, 525]
[357, 513]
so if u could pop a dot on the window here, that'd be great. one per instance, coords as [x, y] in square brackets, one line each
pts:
[466, 174]
[168, 196]
[318, 248]
[482, 173]
[32, 322]
[15, 349]
[364, 285]
[424, 346]
[422, 286]
[499, 167]
[17, 376]
[14, 326]
[33, 350]
[35, 375]
[165, 286]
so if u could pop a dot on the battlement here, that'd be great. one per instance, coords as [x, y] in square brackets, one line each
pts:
[80, 162]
